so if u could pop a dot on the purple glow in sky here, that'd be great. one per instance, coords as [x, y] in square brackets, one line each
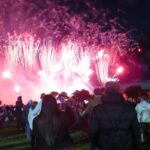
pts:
[48, 45]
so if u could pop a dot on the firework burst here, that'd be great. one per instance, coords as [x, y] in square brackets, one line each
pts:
[65, 45]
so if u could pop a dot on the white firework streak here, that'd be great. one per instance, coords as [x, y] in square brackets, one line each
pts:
[13, 51]
[69, 59]
[48, 59]
[76, 65]
[29, 51]
[75, 59]
[22, 51]
[102, 66]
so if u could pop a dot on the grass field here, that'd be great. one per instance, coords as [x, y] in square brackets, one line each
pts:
[11, 139]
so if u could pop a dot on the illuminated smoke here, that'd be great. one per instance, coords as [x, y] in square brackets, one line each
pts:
[6, 74]
[65, 45]
[65, 70]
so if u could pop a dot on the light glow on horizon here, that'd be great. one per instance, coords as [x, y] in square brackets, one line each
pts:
[67, 69]
[51, 49]
[120, 70]
[17, 88]
[6, 74]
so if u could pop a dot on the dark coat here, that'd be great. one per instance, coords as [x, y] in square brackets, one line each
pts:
[62, 141]
[114, 125]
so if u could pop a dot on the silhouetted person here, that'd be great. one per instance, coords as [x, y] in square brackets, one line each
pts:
[50, 128]
[19, 113]
[114, 124]
[1, 114]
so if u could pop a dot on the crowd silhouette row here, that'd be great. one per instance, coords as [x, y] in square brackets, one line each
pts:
[109, 118]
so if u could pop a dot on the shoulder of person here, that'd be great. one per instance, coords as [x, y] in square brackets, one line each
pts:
[98, 108]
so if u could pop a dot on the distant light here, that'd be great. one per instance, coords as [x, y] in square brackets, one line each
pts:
[106, 55]
[17, 88]
[85, 79]
[86, 101]
[89, 72]
[6, 74]
[101, 53]
[66, 73]
[42, 73]
[139, 50]
[119, 70]
[114, 79]
[58, 102]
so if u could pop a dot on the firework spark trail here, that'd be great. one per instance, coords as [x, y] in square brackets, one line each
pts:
[88, 31]
[66, 66]
[84, 66]
[22, 51]
[13, 51]
[102, 66]
[75, 59]
[29, 51]
[47, 58]
[68, 57]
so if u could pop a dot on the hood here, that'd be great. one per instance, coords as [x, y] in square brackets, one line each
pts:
[144, 104]
[115, 98]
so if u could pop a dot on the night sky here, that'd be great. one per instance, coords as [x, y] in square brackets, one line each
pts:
[133, 15]
[136, 13]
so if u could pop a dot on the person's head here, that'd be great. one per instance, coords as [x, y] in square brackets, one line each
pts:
[0, 102]
[98, 91]
[34, 103]
[144, 96]
[42, 95]
[19, 101]
[49, 105]
[112, 87]
[113, 94]
[19, 98]
[48, 120]
[54, 93]
[29, 103]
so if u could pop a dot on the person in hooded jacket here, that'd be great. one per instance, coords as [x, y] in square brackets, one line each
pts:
[143, 115]
[143, 109]
[114, 124]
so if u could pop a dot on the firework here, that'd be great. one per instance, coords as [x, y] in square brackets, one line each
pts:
[21, 51]
[102, 66]
[66, 42]
[6, 74]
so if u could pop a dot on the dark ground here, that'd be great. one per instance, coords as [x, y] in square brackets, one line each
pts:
[12, 139]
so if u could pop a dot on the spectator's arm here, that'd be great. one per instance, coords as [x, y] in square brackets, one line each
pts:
[37, 109]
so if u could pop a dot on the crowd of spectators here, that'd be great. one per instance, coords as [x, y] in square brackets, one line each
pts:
[107, 117]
